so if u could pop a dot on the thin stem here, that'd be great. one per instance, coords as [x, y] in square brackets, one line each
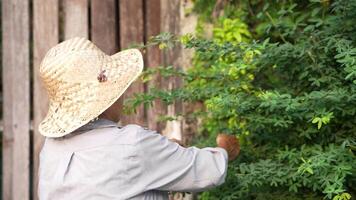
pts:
[275, 25]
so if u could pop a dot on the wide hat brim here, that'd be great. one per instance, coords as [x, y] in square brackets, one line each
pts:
[75, 94]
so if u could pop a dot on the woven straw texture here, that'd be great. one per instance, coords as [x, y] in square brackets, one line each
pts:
[70, 73]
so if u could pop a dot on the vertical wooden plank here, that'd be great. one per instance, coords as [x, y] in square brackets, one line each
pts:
[45, 35]
[104, 25]
[76, 19]
[188, 25]
[170, 15]
[131, 32]
[153, 60]
[16, 93]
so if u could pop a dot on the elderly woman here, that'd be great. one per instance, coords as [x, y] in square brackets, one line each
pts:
[88, 155]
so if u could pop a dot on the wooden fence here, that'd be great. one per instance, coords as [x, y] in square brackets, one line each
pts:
[30, 28]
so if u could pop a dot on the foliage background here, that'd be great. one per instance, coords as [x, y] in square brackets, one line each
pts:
[281, 75]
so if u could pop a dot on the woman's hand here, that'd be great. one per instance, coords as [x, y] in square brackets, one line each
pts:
[230, 143]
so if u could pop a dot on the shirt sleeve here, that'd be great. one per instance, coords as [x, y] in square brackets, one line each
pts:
[171, 167]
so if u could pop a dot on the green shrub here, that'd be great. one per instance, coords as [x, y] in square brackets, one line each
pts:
[283, 79]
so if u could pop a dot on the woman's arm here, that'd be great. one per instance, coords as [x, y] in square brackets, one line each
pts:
[228, 142]
[171, 167]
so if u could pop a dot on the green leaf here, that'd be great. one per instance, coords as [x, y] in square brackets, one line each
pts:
[315, 120]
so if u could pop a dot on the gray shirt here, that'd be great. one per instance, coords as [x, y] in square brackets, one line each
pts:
[103, 160]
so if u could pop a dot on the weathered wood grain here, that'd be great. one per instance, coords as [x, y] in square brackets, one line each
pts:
[153, 60]
[171, 21]
[132, 32]
[104, 30]
[16, 94]
[76, 18]
[45, 35]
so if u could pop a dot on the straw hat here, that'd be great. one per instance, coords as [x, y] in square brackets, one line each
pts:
[82, 82]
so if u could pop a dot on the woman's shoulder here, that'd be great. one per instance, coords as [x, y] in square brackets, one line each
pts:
[136, 127]
[133, 126]
[138, 132]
